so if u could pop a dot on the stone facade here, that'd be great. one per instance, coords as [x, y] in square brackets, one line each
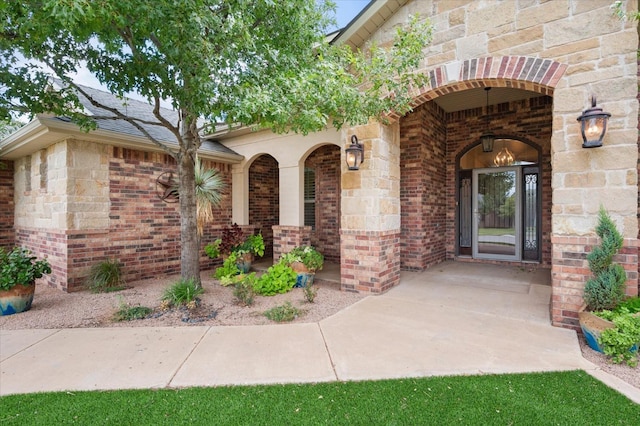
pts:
[543, 47]
[399, 210]
[101, 203]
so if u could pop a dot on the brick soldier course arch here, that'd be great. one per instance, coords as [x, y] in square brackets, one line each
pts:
[517, 72]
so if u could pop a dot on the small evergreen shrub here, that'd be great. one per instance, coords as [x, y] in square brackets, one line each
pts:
[183, 292]
[283, 313]
[105, 277]
[605, 290]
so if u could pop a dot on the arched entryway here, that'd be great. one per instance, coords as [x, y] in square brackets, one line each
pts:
[322, 200]
[264, 200]
[499, 208]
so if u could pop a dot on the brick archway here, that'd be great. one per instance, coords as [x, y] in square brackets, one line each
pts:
[517, 72]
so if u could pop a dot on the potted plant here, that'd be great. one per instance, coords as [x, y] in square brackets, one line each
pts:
[305, 261]
[19, 270]
[604, 292]
[234, 242]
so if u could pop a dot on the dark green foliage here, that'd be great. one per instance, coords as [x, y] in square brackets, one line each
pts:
[307, 255]
[19, 266]
[605, 290]
[105, 277]
[130, 313]
[279, 278]
[283, 313]
[182, 292]
[565, 398]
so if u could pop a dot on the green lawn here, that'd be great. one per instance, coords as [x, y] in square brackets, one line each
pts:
[496, 231]
[566, 398]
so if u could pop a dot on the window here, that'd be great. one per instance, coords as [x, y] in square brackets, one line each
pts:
[309, 197]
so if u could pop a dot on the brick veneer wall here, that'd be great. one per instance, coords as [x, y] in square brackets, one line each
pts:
[423, 187]
[370, 261]
[7, 208]
[326, 234]
[143, 233]
[285, 238]
[525, 120]
[264, 198]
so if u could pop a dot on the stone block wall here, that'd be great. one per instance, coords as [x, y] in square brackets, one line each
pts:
[7, 234]
[423, 195]
[326, 234]
[264, 198]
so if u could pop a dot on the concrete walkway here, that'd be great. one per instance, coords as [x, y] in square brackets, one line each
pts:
[454, 318]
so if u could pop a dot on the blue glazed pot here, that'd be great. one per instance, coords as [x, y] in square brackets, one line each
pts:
[304, 279]
[17, 299]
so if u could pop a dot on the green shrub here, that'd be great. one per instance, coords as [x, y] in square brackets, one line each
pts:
[283, 313]
[621, 343]
[631, 304]
[182, 292]
[279, 278]
[105, 277]
[243, 290]
[129, 313]
[310, 293]
[605, 290]
[307, 255]
[228, 269]
[20, 267]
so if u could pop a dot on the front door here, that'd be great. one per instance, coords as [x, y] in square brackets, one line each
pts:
[496, 218]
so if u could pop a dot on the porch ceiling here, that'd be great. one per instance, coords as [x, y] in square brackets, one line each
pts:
[477, 98]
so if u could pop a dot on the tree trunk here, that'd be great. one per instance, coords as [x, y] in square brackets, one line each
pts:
[189, 240]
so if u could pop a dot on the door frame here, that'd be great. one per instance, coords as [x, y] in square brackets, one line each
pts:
[475, 217]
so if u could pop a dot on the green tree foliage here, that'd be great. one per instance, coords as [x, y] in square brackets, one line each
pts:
[253, 62]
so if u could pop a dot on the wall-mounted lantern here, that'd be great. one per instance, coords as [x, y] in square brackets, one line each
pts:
[593, 125]
[354, 154]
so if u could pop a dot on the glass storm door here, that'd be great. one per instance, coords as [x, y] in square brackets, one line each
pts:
[496, 213]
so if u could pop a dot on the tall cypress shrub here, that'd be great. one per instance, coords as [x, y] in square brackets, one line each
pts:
[605, 290]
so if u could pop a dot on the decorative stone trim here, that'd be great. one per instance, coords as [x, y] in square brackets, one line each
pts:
[370, 260]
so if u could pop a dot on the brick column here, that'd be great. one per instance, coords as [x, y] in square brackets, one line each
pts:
[285, 238]
[7, 206]
[370, 212]
[570, 272]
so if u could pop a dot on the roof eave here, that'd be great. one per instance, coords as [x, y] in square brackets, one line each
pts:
[42, 132]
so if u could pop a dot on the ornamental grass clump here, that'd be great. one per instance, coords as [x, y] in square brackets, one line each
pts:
[183, 292]
[105, 277]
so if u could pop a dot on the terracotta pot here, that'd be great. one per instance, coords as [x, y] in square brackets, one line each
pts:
[17, 299]
[305, 275]
[592, 326]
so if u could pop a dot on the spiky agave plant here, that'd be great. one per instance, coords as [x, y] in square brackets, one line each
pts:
[209, 191]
